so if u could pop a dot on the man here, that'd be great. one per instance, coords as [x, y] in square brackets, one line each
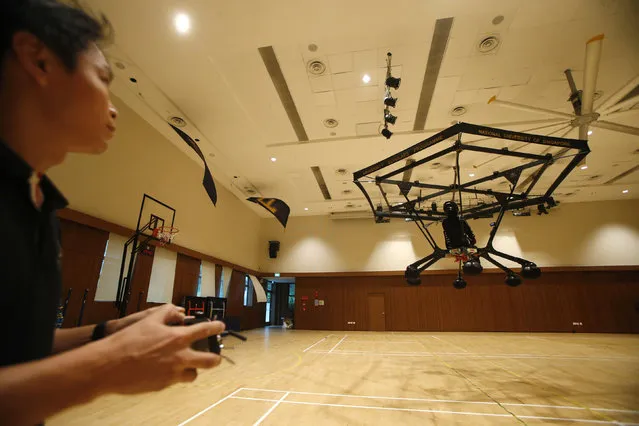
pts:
[54, 99]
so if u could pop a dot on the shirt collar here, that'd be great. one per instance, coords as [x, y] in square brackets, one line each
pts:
[14, 168]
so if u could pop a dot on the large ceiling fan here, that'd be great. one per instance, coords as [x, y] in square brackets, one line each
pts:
[617, 105]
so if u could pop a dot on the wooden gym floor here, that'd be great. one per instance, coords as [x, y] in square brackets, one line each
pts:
[286, 377]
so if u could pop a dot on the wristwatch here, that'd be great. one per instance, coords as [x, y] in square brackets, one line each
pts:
[99, 332]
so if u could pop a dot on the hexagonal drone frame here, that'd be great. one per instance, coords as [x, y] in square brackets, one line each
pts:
[504, 201]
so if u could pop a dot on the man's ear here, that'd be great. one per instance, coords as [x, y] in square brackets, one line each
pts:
[33, 56]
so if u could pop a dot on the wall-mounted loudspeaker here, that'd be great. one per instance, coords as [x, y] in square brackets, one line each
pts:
[273, 248]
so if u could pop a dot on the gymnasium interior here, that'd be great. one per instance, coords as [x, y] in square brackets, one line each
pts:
[280, 105]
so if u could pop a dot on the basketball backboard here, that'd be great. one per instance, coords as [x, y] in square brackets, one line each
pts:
[154, 214]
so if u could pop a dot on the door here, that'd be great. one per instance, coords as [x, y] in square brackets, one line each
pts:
[376, 312]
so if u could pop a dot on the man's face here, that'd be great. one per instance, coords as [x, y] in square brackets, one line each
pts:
[79, 106]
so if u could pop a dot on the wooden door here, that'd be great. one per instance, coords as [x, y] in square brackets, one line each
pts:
[376, 312]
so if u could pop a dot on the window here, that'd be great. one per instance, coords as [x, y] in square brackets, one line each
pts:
[221, 287]
[106, 247]
[269, 298]
[199, 283]
[248, 291]
[291, 297]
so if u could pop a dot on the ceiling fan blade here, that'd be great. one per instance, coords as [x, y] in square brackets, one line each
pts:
[621, 105]
[623, 114]
[528, 108]
[616, 127]
[591, 69]
[619, 94]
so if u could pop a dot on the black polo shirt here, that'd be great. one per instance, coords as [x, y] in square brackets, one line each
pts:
[30, 280]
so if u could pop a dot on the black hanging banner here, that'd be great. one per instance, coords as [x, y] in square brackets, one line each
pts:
[208, 182]
[277, 207]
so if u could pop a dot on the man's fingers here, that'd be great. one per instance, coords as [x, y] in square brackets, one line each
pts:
[187, 376]
[170, 314]
[198, 359]
[201, 331]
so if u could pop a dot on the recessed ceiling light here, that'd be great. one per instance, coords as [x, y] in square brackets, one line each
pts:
[366, 79]
[182, 23]
[625, 191]
[273, 159]
[471, 174]
[589, 132]
[583, 167]
[306, 208]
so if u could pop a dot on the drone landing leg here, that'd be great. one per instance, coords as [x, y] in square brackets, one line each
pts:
[512, 279]
[429, 260]
[414, 269]
[528, 269]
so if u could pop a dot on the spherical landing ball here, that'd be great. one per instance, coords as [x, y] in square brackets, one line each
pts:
[412, 276]
[530, 271]
[513, 280]
[473, 267]
[459, 283]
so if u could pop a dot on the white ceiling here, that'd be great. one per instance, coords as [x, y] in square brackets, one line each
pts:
[214, 78]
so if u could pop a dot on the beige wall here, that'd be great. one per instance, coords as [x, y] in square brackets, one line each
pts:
[588, 234]
[140, 160]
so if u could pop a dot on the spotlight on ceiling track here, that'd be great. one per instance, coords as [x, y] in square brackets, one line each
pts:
[390, 118]
[386, 133]
[390, 101]
[393, 82]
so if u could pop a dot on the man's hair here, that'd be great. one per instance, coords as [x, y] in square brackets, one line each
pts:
[64, 27]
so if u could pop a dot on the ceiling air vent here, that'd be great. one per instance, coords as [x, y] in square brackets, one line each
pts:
[316, 67]
[458, 110]
[331, 123]
[177, 121]
[488, 44]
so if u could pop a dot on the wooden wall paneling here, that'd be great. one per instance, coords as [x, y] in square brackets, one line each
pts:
[482, 304]
[249, 316]
[82, 255]
[404, 314]
[140, 282]
[430, 306]
[508, 309]
[354, 296]
[187, 273]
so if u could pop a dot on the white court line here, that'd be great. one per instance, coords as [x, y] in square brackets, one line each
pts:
[277, 402]
[424, 410]
[211, 406]
[382, 341]
[473, 355]
[316, 343]
[338, 343]
[435, 337]
[397, 398]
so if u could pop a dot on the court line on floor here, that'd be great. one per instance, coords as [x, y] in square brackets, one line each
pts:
[398, 398]
[425, 410]
[598, 414]
[210, 407]
[316, 343]
[338, 343]
[473, 355]
[383, 341]
[278, 402]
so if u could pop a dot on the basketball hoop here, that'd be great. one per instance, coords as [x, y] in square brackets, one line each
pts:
[165, 234]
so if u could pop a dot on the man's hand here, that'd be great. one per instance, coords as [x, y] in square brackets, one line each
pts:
[150, 354]
[147, 355]
[115, 325]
